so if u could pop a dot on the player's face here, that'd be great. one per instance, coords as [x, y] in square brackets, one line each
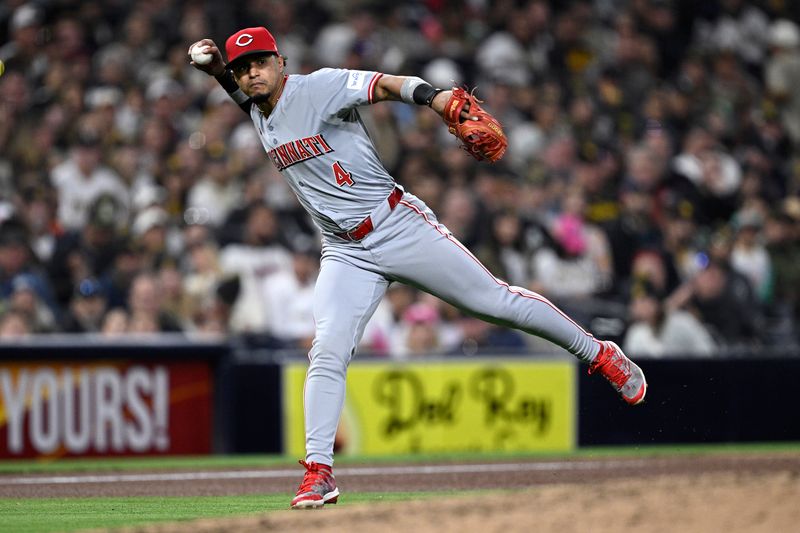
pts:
[259, 77]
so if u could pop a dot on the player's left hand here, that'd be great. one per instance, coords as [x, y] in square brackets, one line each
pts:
[479, 132]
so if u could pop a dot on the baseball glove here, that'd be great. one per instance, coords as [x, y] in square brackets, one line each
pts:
[483, 138]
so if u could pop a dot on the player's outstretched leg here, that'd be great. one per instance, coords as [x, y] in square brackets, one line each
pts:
[624, 375]
[450, 271]
[318, 487]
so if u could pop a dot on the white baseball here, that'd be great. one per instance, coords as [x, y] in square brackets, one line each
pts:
[200, 56]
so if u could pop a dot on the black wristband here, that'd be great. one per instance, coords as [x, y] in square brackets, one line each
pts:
[228, 83]
[232, 88]
[424, 94]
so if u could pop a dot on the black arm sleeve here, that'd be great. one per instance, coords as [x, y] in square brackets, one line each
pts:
[229, 84]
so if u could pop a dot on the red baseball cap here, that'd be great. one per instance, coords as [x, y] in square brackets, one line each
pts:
[250, 41]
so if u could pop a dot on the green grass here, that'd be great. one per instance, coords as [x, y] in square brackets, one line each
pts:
[31, 466]
[209, 462]
[39, 515]
[70, 514]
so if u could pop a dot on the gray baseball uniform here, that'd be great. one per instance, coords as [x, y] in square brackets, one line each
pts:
[375, 233]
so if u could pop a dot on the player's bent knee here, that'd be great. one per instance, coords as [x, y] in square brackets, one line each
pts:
[330, 355]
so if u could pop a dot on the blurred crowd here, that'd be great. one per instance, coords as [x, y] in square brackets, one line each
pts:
[651, 187]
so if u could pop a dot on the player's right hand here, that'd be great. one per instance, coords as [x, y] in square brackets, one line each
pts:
[217, 65]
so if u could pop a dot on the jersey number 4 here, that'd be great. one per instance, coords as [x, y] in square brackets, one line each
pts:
[342, 176]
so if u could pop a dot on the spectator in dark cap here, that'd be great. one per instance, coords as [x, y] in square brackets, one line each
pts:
[117, 280]
[635, 228]
[17, 260]
[87, 308]
[88, 251]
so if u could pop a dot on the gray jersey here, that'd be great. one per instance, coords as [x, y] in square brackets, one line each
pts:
[316, 139]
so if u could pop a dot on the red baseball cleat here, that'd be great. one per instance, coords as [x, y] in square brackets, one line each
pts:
[317, 489]
[623, 374]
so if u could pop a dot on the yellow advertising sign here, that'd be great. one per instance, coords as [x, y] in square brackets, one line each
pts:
[487, 405]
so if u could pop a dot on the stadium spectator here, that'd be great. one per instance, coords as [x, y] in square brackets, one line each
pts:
[381, 330]
[289, 297]
[117, 280]
[87, 308]
[725, 303]
[258, 256]
[740, 27]
[18, 266]
[38, 211]
[216, 193]
[579, 266]
[115, 323]
[202, 275]
[782, 74]
[175, 303]
[749, 256]
[672, 119]
[419, 332]
[783, 245]
[634, 229]
[657, 330]
[81, 179]
[503, 251]
[147, 307]
[23, 51]
[149, 233]
[14, 325]
[88, 251]
[25, 300]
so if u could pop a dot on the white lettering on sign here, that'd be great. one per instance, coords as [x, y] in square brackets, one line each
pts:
[161, 408]
[88, 408]
[14, 403]
[75, 411]
[44, 417]
[108, 402]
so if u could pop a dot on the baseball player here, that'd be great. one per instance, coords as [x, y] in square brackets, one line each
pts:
[373, 231]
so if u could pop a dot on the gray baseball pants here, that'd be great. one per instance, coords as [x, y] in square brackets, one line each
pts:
[409, 245]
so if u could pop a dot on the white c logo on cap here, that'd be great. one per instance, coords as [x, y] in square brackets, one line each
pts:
[248, 39]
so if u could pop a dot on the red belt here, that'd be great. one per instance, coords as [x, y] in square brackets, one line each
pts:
[365, 227]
